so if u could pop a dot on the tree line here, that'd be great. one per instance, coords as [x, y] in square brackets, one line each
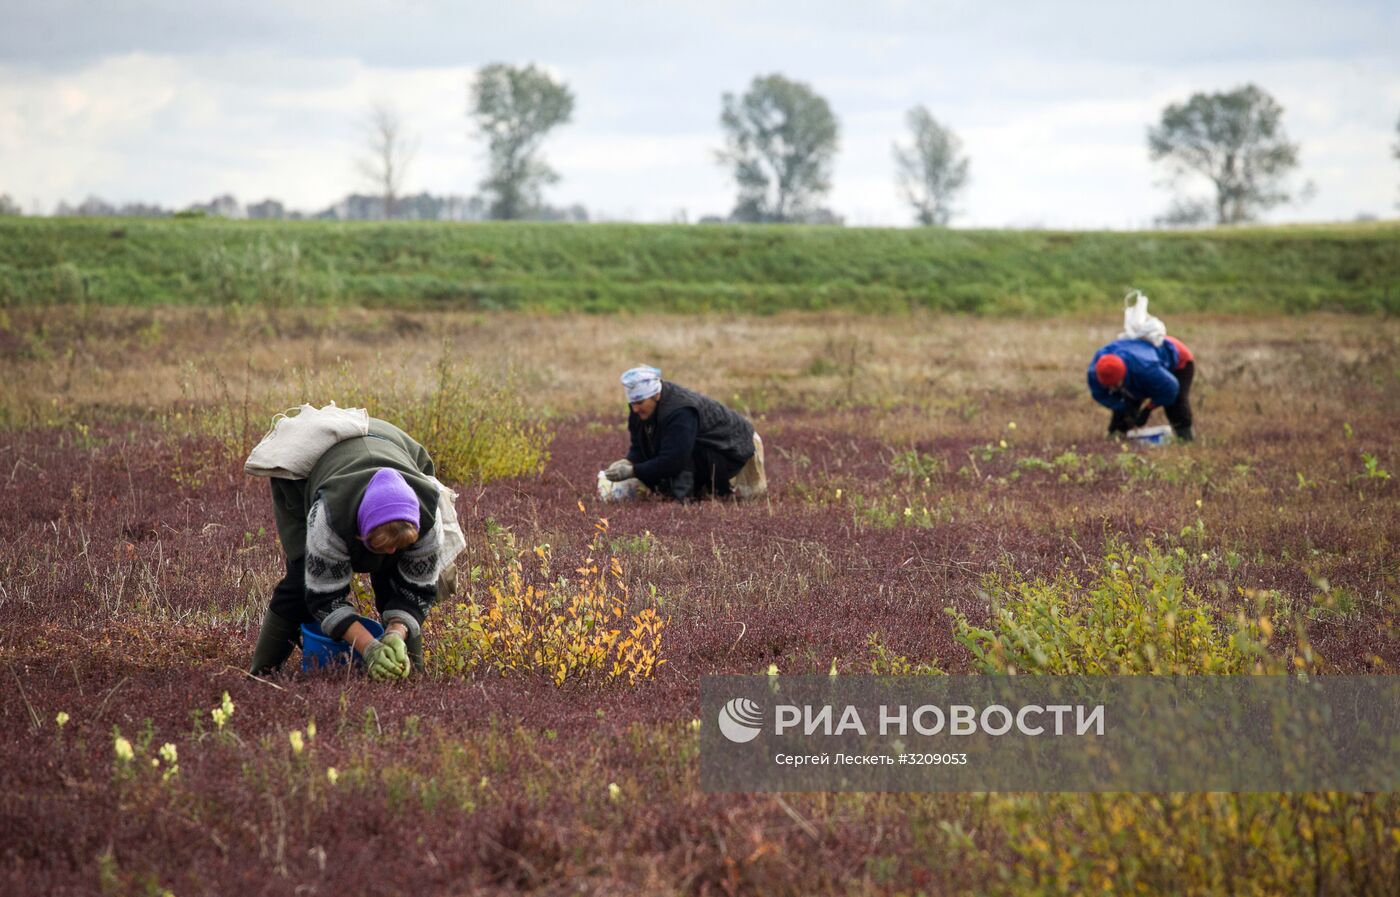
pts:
[780, 143]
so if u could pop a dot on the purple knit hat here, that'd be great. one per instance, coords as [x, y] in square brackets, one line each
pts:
[387, 498]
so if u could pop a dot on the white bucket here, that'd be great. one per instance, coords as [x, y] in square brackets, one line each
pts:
[1158, 435]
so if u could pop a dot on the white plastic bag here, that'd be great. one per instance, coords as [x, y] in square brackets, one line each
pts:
[453, 539]
[1137, 323]
[295, 443]
[625, 490]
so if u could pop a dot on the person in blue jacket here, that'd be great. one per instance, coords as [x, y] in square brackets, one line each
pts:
[1130, 377]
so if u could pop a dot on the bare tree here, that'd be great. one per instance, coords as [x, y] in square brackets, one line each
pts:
[388, 153]
[933, 170]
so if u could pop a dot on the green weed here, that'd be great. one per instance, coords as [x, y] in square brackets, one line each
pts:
[917, 465]
[1136, 617]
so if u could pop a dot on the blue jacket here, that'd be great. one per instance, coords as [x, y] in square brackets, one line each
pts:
[1149, 375]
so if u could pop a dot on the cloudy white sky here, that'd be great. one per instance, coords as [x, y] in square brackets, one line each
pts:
[175, 101]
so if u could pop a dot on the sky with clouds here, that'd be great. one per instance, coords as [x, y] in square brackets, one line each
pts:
[175, 102]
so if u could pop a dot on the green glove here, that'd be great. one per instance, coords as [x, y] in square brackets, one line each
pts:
[386, 659]
[395, 642]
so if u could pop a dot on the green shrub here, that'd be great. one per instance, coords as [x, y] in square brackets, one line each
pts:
[1196, 844]
[885, 662]
[1137, 616]
[475, 428]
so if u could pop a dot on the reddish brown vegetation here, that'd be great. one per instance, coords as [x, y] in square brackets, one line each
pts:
[134, 566]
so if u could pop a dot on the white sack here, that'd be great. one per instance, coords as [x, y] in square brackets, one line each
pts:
[295, 443]
[1138, 324]
[752, 480]
[453, 539]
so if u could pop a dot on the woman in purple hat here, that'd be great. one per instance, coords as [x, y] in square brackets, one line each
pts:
[368, 506]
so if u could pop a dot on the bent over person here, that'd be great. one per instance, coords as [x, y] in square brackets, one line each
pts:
[368, 505]
[685, 445]
[1130, 377]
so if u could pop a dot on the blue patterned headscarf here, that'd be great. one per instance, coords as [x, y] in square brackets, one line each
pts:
[641, 382]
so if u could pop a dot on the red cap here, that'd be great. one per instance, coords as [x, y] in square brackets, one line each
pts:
[1110, 370]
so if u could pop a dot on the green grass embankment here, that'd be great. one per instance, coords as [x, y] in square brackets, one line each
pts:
[611, 267]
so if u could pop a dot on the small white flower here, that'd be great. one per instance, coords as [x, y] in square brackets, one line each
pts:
[122, 748]
[614, 792]
[331, 775]
[298, 743]
[61, 719]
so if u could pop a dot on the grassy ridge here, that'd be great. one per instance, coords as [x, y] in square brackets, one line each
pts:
[609, 267]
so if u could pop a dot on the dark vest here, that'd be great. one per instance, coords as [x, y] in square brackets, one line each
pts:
[721, 429]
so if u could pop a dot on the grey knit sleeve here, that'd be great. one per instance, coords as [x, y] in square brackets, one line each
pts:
[416, 574]
[328, 574]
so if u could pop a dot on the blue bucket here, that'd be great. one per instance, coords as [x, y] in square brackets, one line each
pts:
[319, 651]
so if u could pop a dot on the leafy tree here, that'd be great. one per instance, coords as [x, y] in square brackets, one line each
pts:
[1396, 149]
[933, 171]
[388, 153]
[1234, 139]
[781, 138]
[9, 206]
[515, 108]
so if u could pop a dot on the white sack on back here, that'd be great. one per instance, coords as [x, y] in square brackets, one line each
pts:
[1138, 324]
[295, 443]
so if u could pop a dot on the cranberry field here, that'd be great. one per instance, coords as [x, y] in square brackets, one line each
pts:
[927, 473]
